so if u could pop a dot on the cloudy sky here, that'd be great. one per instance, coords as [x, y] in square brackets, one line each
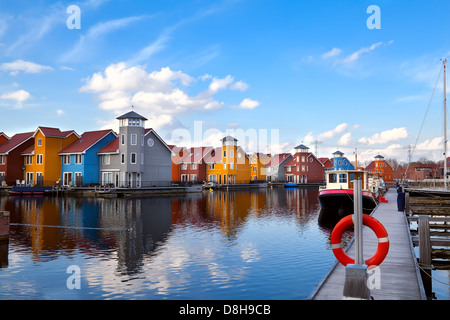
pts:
[328, 74]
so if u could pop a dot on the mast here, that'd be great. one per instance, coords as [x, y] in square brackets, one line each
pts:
[445, 125]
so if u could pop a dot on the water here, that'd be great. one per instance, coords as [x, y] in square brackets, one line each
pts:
[264, 244]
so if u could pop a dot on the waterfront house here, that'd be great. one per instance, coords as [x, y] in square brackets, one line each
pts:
[304, 167]
[80, 162]
[3, 137]
[259, 160]
[340, 162]
[138, 157]
[192, 165]
[229, 164]
[11, 162]
[382, 168]
[42, 161]
[177, 154]
[275, 168]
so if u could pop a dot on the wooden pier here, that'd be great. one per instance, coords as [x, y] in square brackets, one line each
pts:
[399, 274]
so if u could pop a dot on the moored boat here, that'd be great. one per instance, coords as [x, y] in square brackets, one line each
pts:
[336, 198]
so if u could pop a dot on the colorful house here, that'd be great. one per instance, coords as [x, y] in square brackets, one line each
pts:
[340, 162]
[381, 168]
[11, 162]
[42, 161]
[177, 154]
[304, 167]
[193, 166]
[137, 158]
[275, 169]
[229, 164]
[80, 162]
[259, 160]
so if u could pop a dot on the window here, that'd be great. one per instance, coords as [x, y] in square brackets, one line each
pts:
[29, 159]
[122, 139]
[133, 139]
[224, 153]
[123, 158]
[193, 166]
[133, 157]
[193, 177]
[288, 169]
[231, 153]
[78, 159]
[39, 159]
[303, 169]
[254, 169]
[224, 166]
[184, 166]
[231, 166]
[106, 159]
[298, 159]
[332, 178]
[66, 159]
[303, 158]
[39, 142]
[211, 166]
[342, 178]
[2, 159]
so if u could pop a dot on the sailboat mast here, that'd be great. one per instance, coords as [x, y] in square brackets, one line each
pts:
[445, 125]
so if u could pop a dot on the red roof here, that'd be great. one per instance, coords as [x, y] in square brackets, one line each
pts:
[112, 147]
[55, 132]
[278, 158]
[87, 140]
[15, 141]
[29, 150]
[196, 154]
[215, 157]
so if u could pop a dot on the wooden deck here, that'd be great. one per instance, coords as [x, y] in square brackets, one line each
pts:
[399, 274]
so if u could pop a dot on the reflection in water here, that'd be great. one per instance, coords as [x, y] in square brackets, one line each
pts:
[259, 244]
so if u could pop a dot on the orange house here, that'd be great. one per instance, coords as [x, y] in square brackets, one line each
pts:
[41, 161]
[229, 164]
[259, 160]
[381, 168]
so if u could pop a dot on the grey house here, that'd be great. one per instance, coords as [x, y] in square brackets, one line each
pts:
[137, 158]
[275, 170]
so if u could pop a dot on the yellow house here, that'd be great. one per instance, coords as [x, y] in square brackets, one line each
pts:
[41, 161]
[259, 160]
[229, 164]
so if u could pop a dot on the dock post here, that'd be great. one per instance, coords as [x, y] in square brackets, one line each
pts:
[425, 261]
[355, 286]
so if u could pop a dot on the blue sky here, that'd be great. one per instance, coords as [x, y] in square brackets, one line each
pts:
[276, 73]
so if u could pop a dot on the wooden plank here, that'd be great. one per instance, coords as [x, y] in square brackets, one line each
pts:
[399, 274]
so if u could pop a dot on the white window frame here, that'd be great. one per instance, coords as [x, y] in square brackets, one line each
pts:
[133, 139]
[39, 159]
[66, 159]
[131, 157]
[78, 159]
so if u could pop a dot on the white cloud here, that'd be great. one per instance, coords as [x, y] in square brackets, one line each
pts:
[346, 139]
[385, 136]
[332, 53]
[23, 66]
[334, 132]
[247, 104]
[59, 112]
[19, 96]
[239, 85]
[160, 95]
[357, 54]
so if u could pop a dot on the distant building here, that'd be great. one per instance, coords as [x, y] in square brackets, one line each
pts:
[11, 160]
[275, 169]
[192, 165]
[304, 167]
[259, 160]
[340, 162]
[382, 168]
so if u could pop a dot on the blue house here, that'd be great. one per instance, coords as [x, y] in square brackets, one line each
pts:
[79, 161]
[340, 162]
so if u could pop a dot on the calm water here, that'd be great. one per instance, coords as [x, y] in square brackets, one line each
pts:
[264, 244]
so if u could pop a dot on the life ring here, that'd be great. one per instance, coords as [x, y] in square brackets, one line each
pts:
[372, 223]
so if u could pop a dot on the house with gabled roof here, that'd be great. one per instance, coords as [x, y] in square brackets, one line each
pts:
[304, 167]
[177, 154]
[42, 160]
[193, 167]
[137, 158]
[79, 161]
[275, 169]
[11, 161]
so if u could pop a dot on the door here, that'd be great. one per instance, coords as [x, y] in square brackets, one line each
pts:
[67, 179]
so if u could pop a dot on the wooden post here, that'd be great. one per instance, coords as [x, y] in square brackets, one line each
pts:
[425, 253]
[407, 207]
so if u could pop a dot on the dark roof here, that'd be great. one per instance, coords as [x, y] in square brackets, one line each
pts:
[131, 115]
[301, 146]
[338, 153]
[112, 147]
[55, 132]
[379, 157]
[15, 141]
[228, 138]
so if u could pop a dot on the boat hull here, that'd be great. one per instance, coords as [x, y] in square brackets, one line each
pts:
[340, 201]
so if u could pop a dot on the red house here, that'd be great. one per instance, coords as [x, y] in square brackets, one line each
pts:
[192, 164]
[11, 160]
[304, 167]
[382, 168]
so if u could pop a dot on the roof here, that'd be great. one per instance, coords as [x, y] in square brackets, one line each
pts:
[229, 138]
[196, 154]
[54, 132]
[339, 153]
[301, 146]
[28, 151]
[215, 156]
[112, 147]
[131, 115]
[15, 141]
[379, 157]
[87, 140]
[278, 159]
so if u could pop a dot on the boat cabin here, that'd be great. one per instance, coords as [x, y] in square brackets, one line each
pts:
[343, 179]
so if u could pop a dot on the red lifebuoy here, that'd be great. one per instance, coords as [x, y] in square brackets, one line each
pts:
[372, 223]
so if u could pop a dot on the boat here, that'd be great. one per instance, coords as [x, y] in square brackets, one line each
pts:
[290, 185]
[28, 191]
[336, 197]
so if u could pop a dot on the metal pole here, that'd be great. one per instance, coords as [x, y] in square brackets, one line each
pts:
[357, 220]
[445, 125]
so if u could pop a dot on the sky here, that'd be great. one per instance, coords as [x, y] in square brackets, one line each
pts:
[361, 77]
